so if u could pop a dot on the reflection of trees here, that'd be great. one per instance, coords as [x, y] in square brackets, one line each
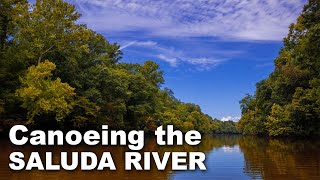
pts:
[118, 152]
[280, 159]
[266, 158]
[207, 144]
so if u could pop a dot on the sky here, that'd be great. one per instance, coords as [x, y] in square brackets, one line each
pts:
[212, 52]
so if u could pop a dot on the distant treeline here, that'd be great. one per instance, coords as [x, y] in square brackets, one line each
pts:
[55, 73]
[288, 101]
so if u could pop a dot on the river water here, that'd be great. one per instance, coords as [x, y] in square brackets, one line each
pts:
[227, 157]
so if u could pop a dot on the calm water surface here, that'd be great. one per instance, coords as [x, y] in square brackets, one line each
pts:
[227, 157]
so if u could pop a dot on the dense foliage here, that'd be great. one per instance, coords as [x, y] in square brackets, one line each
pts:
[224, 127]
[288, 101]
[55, 73]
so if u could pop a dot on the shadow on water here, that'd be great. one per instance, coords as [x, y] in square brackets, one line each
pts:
[281, 159]
[227, 157]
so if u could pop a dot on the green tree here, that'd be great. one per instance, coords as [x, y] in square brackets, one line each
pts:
[7, 11]
[287, 102]
[48, 28]
[280, 121]
[42, 95]
[251, 123]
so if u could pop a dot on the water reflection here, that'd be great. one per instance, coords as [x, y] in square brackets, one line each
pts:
[281, 159]
[228, 157]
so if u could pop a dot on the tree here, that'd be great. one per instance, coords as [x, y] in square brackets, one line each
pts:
[287, 102]
[280, 122]
[251, 123]
[48, 28]
[42, 95]
[7, 11]
[247, 103]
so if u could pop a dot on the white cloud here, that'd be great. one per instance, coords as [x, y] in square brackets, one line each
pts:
[170, 60]
[138, 43]
[174, 56]
[204, 61]
[230, 149]
[127, 45]
[230, 118]
[226, 19]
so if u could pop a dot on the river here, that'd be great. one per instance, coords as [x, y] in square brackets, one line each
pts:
[227, 157]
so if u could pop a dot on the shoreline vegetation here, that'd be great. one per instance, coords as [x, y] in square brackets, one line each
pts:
[287, 103]
[58, 74]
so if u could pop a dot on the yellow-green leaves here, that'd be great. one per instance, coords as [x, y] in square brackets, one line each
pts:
[49, 27]
[42, 95]
[280, 122]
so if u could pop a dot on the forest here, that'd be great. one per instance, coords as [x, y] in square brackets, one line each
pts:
[58, 74]
[287, 103]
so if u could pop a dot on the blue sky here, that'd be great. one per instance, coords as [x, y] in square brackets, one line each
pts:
[212, 52]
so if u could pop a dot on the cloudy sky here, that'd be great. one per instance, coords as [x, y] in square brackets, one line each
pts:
[212, 51]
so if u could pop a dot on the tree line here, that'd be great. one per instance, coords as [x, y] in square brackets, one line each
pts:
[287, 103]
[56, 73]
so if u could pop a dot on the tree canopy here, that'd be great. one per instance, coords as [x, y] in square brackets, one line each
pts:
[288, 101]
